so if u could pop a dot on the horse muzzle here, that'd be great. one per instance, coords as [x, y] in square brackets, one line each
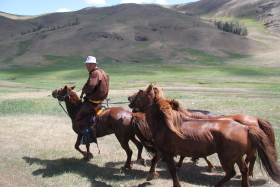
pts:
[130, 99]
[54, 94]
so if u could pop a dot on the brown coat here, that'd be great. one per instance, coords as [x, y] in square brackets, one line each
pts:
[97, 86]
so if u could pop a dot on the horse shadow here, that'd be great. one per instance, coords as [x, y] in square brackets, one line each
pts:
[85, 169]
[195, 174]
[189, 173]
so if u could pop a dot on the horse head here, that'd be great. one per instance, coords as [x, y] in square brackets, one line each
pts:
[63, 92]
[140, 99]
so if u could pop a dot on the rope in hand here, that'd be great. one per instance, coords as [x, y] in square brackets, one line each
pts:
[107, 103]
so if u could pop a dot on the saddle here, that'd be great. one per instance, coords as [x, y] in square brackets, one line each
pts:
[98, 110]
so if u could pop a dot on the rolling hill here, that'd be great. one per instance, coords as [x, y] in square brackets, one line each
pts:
[265, 11]
[126, 32]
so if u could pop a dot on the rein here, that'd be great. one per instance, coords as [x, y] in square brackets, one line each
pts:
[59, 102]
[68, 95]
[63, 99]
[107, 103]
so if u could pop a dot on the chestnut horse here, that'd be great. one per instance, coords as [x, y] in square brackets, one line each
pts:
[174, 134]
[115, 120]
[144, 135]
[265, 125]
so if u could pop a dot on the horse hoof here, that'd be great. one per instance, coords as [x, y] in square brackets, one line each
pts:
[142, 162]
[152, 176]
[126, 167]
[210, 170]
[88, 156]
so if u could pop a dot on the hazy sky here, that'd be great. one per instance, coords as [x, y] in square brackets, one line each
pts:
[37, 7]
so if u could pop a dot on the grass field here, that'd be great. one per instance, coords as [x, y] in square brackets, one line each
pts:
[38, 142]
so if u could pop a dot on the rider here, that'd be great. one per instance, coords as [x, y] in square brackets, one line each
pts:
[96, 90]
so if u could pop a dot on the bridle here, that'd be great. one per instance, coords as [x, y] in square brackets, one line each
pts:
[62, 98]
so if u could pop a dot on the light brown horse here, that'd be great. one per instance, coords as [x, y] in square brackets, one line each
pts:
[175, 135]
[115, 120]
[265, 125]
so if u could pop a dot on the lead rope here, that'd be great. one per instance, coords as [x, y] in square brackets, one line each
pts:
[63, 108]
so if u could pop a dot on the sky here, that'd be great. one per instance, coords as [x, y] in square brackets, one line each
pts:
[37, 7]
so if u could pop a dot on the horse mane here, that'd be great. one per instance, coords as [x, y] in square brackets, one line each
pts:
[176, 106]
[172, 118]
[143, 132]
[74, 100]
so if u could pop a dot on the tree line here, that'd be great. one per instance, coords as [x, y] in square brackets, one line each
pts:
[41, 26]
[234, 27]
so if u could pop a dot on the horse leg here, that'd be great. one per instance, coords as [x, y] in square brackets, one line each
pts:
[172, 169]
[211, 166]
[152, 173]
[140, 149]
[77, 146]
[228, 166]
[89, 154]
[180, 163]
[244, 172]
[250, 160]
[125, 146]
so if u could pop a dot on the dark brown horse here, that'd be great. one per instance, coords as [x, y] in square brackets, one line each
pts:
[174, 134]
[265, 125]
[115, 120]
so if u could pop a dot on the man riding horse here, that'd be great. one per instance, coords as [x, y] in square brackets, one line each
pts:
[96, 90]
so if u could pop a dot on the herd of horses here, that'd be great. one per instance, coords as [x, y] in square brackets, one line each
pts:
[166, 130]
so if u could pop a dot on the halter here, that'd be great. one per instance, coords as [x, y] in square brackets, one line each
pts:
[62, 98]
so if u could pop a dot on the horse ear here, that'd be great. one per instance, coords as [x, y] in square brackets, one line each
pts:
[65, 87]
[73, 87]
[150, 87]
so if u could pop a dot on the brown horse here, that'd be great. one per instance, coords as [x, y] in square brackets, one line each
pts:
[175, 135]
[115, 120]
[144, 134]
[265, 125]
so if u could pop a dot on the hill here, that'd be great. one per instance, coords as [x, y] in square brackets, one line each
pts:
[265, 11]
[126, 32]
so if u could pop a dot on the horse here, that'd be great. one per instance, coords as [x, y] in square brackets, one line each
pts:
[144, 134]
[174, 134]
[115, 120]
[261, 123]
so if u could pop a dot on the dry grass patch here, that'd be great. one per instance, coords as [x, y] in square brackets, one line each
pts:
[38, 150]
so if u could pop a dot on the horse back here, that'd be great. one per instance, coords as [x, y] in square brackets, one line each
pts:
[114, 120]
[205, 137]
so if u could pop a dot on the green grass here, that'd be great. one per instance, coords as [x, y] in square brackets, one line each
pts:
[71, 70]
[38, 141]
[23, 47]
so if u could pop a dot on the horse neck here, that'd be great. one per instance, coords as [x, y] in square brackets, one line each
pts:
[72, 104]
[153, 113]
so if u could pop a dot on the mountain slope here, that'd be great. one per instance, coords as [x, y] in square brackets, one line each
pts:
[265, 11]
[126, 32]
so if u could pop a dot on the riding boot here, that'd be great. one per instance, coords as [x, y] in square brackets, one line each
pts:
[87, 136]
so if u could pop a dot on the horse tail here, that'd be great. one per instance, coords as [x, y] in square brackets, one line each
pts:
[143, 133]
[266, 126]
[266, 152]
